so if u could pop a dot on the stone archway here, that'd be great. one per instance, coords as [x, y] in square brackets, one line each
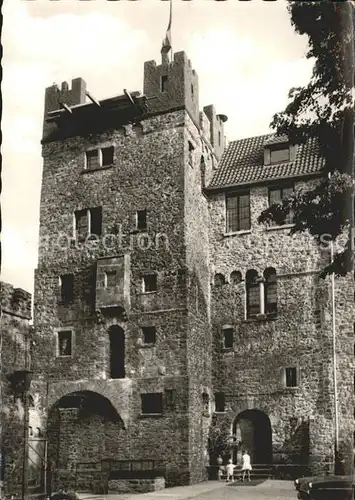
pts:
[252, 429]
[83, 428]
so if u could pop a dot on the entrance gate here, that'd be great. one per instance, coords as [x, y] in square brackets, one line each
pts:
[252, 429]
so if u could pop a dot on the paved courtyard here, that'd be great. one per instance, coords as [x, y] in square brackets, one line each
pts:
[214, 490]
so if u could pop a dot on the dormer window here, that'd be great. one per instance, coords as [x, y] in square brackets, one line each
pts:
[279, 153]
[278, 150]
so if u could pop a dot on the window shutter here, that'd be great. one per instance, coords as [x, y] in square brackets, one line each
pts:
[92, 159]
[96, 221]
[81, 224]
[107, 156]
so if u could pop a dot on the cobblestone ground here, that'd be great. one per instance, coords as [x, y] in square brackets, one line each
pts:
[276, 490]
[213, 490]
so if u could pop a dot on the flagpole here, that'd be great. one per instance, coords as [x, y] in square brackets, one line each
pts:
[166, 46]
[169, 28]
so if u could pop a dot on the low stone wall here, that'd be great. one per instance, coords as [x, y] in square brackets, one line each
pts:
[64, 479]
[136, 485]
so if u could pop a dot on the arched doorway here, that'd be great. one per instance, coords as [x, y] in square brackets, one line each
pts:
[83, 428]
[252, 429]
[117, 352]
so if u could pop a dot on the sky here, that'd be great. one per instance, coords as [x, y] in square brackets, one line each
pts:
[246, 54]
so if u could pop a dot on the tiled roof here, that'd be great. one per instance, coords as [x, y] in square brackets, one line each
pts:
[275, 139]
[243, 162]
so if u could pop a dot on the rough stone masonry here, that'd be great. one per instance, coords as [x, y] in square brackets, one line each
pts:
[181, 328]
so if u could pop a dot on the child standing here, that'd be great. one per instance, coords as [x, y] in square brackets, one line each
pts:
[246, 465]
[230, 470]
[220, 467]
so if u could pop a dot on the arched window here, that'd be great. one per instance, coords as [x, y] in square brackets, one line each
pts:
[219, 279]
[235, 277]
[270, 290]
[253, 293]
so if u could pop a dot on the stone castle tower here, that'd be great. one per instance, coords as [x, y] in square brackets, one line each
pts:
[123, 318]
[167, 320]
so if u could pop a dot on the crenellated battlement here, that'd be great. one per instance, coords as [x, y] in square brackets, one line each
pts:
[55, 97]
[15, 301]
[173, 84]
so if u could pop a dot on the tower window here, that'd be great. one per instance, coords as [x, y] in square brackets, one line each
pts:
[191, 151]
[88, 221]
[67, 288]
[228, 334]
[182, 279]
[291, 377]
[95, 221]
[117, 352]
[141, 219]
[164, 83]
[238, 212]
[192, 90]
[149, 283]
[206, 402]
[110, 279]
[100, 157]
[169, 398]
[203, 172]
[65, 343]
[152, 403]
[149, 334]
[219, 138]
[219, 402]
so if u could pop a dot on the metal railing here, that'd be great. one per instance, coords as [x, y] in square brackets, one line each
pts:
[272, 471]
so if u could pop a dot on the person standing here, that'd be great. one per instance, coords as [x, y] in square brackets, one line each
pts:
[220, 467]
[230, 470]
[246, 465]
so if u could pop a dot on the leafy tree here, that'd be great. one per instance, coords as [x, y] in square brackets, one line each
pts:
[323, 109]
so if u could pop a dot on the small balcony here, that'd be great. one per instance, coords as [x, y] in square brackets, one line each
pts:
[113, 284]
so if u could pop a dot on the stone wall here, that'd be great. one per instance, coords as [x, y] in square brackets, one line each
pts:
[15, 356]
[161, 164]
[136, 485]
[151, 170]
[251, 373]
[198, 292]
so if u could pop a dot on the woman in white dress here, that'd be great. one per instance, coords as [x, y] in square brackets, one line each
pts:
[246, 465]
